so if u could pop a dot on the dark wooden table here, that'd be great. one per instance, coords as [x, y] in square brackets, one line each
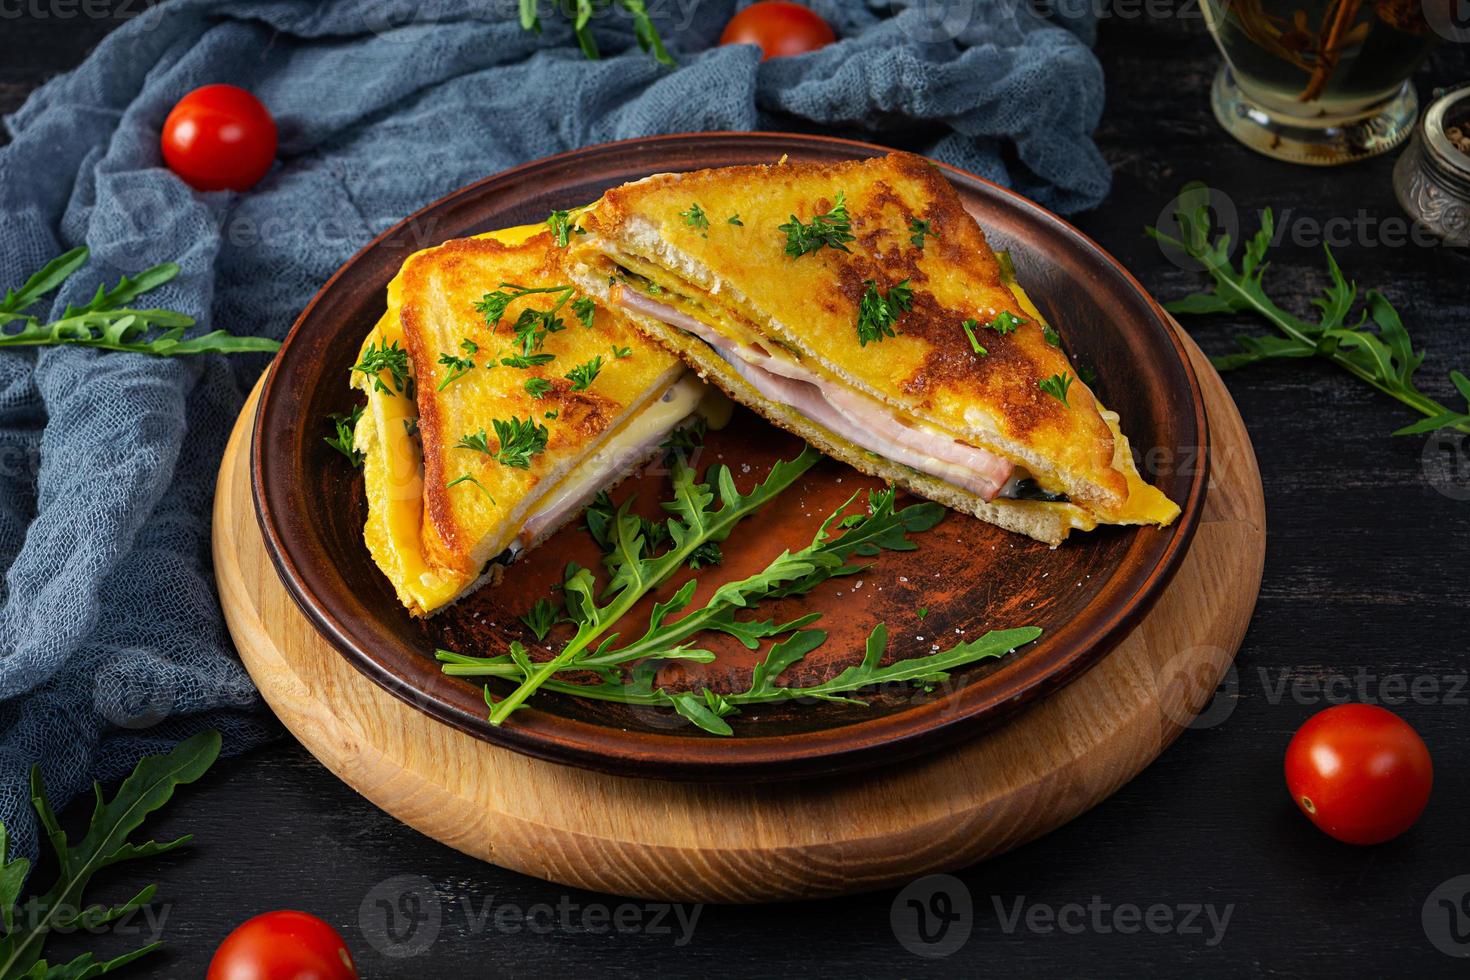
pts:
[1365, 598]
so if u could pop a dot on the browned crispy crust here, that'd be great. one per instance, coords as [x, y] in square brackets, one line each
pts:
[438, 290]
[928, 371]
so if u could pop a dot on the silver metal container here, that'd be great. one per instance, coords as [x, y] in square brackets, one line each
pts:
[1432, 177]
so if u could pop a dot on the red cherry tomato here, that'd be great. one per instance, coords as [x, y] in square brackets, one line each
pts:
[1359, 772]
[218, 138]
[282, 945]
[779, 28]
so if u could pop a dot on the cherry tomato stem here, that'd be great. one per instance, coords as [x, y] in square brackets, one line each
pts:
[1359, 772]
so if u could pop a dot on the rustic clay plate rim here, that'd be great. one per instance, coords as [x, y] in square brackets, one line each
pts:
[889, 738]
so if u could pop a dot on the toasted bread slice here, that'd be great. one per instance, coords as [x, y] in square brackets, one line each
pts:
[720, 267]
[450, 500]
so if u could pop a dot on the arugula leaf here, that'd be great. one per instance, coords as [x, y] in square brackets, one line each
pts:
[708, 709]
[644, 31]
[864, 534]
[696, 520]
[105, 843]
[344, 442]
[106, 322]
[830, 230]
[1384, 359]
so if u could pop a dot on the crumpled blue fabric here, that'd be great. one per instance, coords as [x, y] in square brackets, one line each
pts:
[112, 643]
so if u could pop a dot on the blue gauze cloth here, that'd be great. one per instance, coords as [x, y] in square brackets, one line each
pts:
[112, 644]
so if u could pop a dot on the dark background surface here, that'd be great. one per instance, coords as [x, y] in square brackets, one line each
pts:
[1365, 592]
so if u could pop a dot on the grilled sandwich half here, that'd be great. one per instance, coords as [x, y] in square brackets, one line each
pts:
[858, 305]
[478, 445]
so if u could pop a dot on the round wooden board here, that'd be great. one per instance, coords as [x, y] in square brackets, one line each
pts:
[752, 843]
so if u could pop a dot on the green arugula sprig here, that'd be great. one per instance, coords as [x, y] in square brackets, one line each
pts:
[581, 12]
[830, 230]
[60, 909]
[708, 710]
[1384, 359]
[107, 321]
[696, 520]
[863, 535]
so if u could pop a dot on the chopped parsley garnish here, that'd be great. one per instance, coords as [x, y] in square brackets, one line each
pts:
[619, 353]
[734, 219]
[877, 313]
[532, 327]
[1057, 386]
[830, 230]
[584, 374]
[708, 553]
[970, 327]
[920, 229]
[923, 611]
[376, 360]
[469, 478]
[457, 366]
[343, 441]
[523, 361]
[1050, 335]
[411, 427]
[551, 414]
[538, 387]
[561, 227]
[519, 441]
[1006, 322]
[540, 618]
[475, 442]
[584, 309]
[696, 218]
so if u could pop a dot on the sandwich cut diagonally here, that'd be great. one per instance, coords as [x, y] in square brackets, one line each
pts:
[859, 305]
[492, 420]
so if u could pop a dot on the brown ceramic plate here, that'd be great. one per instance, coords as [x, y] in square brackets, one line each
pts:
[966, 577]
